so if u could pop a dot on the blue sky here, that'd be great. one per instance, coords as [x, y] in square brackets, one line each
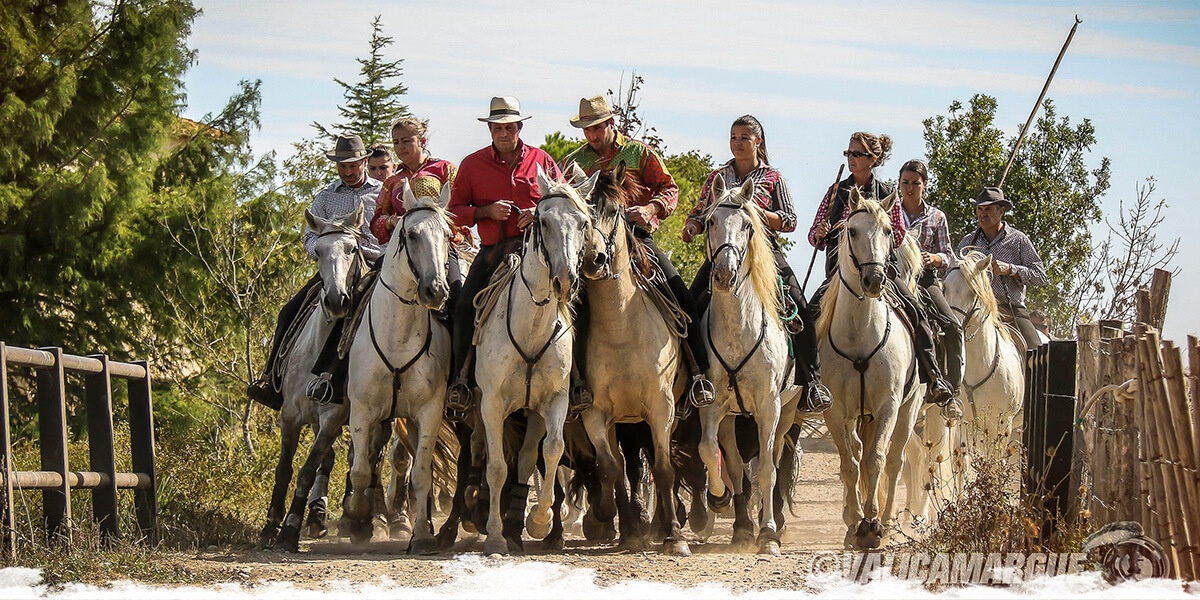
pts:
[811, 72]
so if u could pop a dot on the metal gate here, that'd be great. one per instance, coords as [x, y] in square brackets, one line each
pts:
[1049, 425]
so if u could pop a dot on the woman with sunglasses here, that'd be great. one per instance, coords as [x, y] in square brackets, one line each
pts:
[748, 145]
[865, 152]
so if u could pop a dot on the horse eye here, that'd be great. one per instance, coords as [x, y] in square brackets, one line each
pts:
[851, 232]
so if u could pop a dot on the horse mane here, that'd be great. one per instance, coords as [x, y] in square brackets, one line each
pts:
[613, 196]
[980, 281]
[430, 202]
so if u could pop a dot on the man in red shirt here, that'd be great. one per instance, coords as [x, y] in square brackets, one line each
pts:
[606, 148]
[496, 191]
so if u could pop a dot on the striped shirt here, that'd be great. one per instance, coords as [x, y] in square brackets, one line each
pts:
[931, 229]
[1011, 246]
[338, 199]
[770, 193]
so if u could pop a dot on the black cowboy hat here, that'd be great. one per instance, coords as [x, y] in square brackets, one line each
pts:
[348, 149]
[992, 195]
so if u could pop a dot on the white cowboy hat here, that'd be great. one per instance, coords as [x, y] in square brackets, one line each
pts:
[592, 111]
[504, 109]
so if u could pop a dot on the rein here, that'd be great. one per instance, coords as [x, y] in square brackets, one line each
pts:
[967, 315]
[359, 260]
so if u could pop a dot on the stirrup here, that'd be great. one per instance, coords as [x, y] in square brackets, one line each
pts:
[458, 401]
[320, 389]
[579, 399]
[816, 398]
[701, 393]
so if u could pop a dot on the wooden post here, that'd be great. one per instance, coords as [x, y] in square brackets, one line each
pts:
[8, 535]
[1123, 360]
[141, 434]
[52, 429]
[1174, 499]
[1089, 457]
[1182, 468]
[102, 454]
[1160, 291]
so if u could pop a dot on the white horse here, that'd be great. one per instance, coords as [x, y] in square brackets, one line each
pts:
[868, 362]
[340, 263]
[748, 350]
[524, 345]
[633, 363]
[400, 362]
[994, 378]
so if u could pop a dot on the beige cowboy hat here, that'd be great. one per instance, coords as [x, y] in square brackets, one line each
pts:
[592, 111]
[504, 109]
[348, 149]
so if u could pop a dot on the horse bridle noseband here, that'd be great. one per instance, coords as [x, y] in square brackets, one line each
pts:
[854, 258]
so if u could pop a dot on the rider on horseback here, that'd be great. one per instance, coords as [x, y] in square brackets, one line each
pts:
[352, 189]
[749, 147]
[497, 190]
[864, 153]
[605, 150]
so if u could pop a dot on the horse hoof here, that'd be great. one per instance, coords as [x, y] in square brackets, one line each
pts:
[675, 547]
[289, 540]
[515, 545]
[554, 542]
[317, 523]
[632, 543]
[770, 547]
[469, 526]
[595, 530]
[743, 541]
[359, 532]
[537, 528]
[423, 546]
[495, 547]
[868, 535]
[379, 527]
[266, 539]
[446, 539]
[399, 527]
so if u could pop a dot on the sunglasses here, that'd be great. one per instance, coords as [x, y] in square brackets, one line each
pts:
[855, 153]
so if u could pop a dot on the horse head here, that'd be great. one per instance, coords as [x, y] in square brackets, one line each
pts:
[339, 258]
[867, 240]
[424, 236]
[729, 230]
[968, 288]
[562, 228]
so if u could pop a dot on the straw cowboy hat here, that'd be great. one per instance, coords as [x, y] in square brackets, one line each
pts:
[504, 109]
[592, 111]
[992, 195]
[348, 149]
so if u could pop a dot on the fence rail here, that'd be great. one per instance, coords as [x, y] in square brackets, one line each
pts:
[55, 479]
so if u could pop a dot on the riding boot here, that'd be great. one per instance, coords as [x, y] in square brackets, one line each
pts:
[459, 396]
[937, 390]
[695, 353]
[323, 389]
[264, 390]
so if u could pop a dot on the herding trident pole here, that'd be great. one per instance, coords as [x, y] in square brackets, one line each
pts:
[1012, 157]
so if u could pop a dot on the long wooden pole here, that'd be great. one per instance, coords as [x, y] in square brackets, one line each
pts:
[1038, 104]
[832, 194]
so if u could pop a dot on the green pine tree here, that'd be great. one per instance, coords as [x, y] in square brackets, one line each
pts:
[372, 106]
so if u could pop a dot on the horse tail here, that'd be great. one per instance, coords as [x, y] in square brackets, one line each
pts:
[445, 459]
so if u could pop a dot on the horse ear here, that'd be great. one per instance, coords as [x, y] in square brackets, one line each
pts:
[313, 223]
[358, 216]
[984, 264]
[718, 188]
[888, 202]
[747, 190]
[444, 195]
[409, 197]
[576, 174]
[619, 174]
[543, 181]
[854, 199]
[585, 186]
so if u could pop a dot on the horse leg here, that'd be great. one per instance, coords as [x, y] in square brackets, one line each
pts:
[289, 440]
[743, 525]
[664, 484]
[607, 468]
[768, 458]
[849, 450]
[289, 535]
[497, 470]
[711, 417]
[895, 456]
[868, 533]
[555, 414]
[364, 426]
[447, 535]
[632, 440]
[318, 502]
[422, 541]
[397, 494]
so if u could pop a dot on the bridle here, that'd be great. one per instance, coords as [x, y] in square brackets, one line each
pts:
[740, 253]
[610, 240]
[402, 246]
[358, 266]
[967, 315]
[733, 371]
[533, 235]
[858, 266]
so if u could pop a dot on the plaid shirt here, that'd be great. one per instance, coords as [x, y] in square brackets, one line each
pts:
[642, 162]
[873, 190]
[338, 199]
[1011, 246]
[931, 229]
[770, 193]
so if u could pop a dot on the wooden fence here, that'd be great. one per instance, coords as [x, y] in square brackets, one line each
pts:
[56, 480]
[1139, 422]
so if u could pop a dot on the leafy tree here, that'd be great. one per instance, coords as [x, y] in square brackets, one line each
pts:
[558, 146]
[88, 94]
[372, 106]
[1055, 194]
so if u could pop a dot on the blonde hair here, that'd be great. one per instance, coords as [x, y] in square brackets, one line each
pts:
[878, 146]
[417, 126]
